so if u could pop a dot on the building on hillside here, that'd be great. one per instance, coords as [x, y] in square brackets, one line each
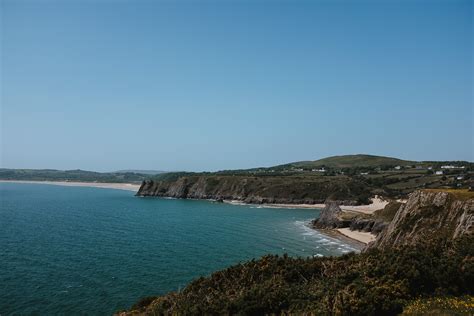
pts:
[439, 172]
[451, 167]
[398, 168]
[319, 170]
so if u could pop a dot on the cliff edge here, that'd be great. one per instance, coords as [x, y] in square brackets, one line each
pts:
[260, 189]
[429, 215]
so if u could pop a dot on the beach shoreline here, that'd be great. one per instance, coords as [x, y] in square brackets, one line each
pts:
[355, 238]
[377, 204]
[362, 237]
[103, 185]
[334, 233]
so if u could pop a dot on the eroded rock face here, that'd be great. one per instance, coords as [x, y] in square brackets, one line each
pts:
[330, 217]
[374, 226]
[428, 216]
[249, 190]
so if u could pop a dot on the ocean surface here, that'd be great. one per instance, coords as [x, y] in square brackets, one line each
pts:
[79, 250]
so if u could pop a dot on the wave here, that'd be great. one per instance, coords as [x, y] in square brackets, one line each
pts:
[330, 244]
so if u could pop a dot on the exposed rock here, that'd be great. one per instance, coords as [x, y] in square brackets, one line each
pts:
[368, 225]
[429, 215]
[330, 217]
[379, 226]
[257, 190]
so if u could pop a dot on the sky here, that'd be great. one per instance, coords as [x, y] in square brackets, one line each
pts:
[209, 85]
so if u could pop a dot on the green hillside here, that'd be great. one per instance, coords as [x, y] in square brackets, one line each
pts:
[354, 161]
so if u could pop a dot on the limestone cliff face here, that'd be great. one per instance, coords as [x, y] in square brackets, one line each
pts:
[330, 217]
[292, 190]
[429, 215]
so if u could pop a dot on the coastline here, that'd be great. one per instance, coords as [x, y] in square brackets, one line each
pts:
[377, 204]
[355, 238]
[103, 185]
[334, 233]
[361, 237]
[278, 205]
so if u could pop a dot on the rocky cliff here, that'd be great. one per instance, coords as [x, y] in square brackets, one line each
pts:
[330, 217]
[430, 215]
[260, 189]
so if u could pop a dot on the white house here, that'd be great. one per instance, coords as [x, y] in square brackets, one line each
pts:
[398, 167]
[439, 172]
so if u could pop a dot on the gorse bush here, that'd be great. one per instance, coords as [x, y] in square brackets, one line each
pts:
[377, 282]
[444, 306]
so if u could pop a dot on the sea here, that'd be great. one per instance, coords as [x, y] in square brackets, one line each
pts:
[94, 251]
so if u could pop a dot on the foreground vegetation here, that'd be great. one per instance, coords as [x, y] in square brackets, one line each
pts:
[377, 282]
[441, 306]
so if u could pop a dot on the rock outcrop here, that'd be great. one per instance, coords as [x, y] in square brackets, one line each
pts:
[333, 217]
[374, 226]
[429, 215]
[330, 217]
[259, 190]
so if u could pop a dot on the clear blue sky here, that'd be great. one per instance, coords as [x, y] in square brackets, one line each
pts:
[174, 85]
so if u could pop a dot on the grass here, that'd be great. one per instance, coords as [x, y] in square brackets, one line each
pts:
[460, 194]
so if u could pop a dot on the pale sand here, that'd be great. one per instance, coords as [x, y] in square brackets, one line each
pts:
[118, 186]
[357, 235]
[377, 204]
[276, 205]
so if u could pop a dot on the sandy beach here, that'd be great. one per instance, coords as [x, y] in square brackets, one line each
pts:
[118, 186]
[363, 237]
[377, 204]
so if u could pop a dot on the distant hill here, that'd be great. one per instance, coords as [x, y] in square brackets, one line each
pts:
[150, 172]
[349, 179]
[70, 175]
[354, 161]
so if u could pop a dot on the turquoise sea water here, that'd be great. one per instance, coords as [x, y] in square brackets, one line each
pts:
[78, 250]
